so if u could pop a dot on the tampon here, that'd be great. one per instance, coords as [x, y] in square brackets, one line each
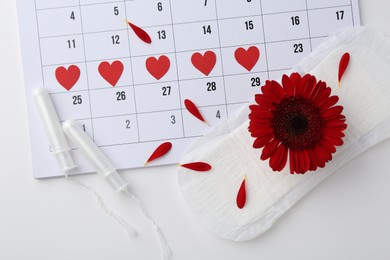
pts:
[52, 126]
[93, 154]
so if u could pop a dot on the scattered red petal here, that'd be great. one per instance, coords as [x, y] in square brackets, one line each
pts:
[344, 61]
[191, 107]
[144, 36]
[197, 166]
[241, 195]
[160, 151]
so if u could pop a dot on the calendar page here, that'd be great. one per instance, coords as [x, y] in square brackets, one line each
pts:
[129, 95]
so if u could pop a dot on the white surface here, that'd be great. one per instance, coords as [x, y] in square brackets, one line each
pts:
[346, 217]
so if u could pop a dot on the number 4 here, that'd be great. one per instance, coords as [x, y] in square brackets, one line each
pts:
[72, 16]
[218, 115]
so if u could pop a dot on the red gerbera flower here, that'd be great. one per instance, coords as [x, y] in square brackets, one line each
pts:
[299, 121]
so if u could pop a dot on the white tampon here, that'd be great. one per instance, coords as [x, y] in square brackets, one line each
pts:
[93, 154]
[51, 123]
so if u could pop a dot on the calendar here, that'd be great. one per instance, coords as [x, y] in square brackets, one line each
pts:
[129, 95]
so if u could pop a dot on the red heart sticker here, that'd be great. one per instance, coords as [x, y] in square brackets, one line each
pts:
[204, 63]
[111, 72]
[247, 58]
[158, 67]
[68, 77]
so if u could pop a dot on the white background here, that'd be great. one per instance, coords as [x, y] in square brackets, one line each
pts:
[346, 217]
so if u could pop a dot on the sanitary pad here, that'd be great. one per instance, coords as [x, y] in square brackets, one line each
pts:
[365, 96]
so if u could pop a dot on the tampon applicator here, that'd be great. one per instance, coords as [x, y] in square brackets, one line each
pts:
[93, 154]
[52, 126]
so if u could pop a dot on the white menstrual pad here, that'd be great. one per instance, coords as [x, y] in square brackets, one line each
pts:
[365, 95]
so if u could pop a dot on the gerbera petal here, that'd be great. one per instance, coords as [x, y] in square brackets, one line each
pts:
[327, 103]
[288, 85]
[259, 132]
[295, 79]
[310, 84]
[279, 158]
[260, 121]
[336, 125]
[305, 160]
[322, 155]
[264, 102]
[261, 141]
[319, 88]
[273, 91]
[332, 112]
[297, 163]
[330, 148]
[255, 119]
[283, 162]
[260, 114]
[333, 133]
[335, 141]
[256, 108]
[292, 162]
[313, 160]
[322, 95]
[301, 87]
[328, 154]
[269, 149]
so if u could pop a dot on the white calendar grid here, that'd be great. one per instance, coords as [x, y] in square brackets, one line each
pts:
[140, 112]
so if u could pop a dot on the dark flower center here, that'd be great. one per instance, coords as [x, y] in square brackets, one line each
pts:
[297, 123]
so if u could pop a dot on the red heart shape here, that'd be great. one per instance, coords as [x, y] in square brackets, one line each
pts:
[68, 77]
[247, 58]
[204, 63]
[111, 72]
[158, 67]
